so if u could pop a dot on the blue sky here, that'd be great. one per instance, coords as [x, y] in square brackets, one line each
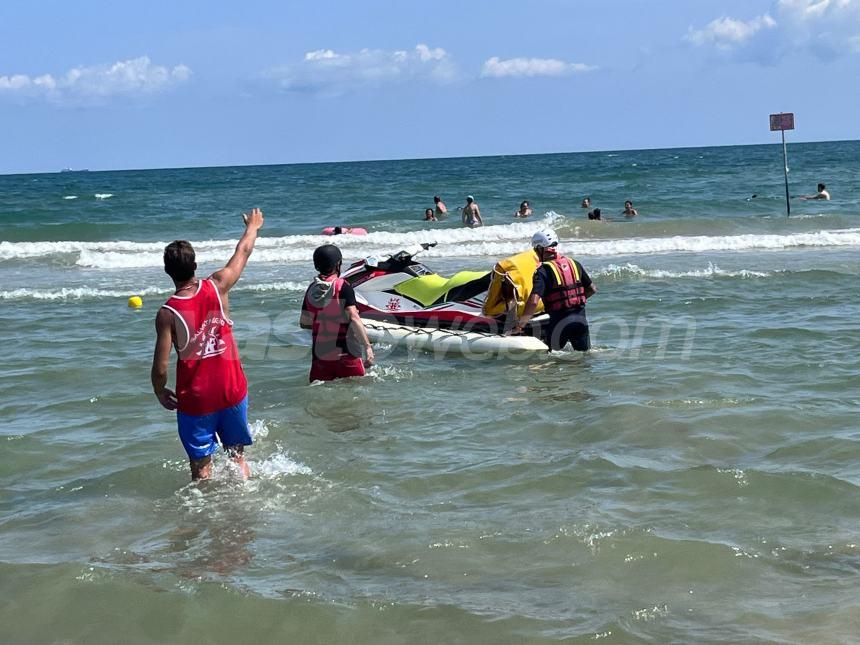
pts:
[104, 85]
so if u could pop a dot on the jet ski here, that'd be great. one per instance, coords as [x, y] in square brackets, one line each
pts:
[403, 302]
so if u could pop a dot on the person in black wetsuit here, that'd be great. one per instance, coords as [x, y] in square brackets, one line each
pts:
[564, 286]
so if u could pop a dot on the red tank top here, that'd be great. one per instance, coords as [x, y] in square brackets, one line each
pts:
[330, 322]
[209, 375]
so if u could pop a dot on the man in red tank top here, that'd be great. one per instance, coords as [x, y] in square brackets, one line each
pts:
[211, 397]
[330, 311]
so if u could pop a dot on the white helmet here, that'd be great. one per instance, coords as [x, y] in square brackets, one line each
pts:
[544, 239]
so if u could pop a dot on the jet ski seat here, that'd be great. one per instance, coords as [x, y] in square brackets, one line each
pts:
[434, 289]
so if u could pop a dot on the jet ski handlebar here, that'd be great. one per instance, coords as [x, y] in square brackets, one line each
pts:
[401, 257]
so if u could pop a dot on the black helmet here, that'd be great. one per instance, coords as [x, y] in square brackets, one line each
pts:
[326, 258]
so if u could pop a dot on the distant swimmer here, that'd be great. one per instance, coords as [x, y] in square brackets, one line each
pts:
[586, 202]
[441, 209]
[563, 286]
[629, 211]
[211, 397]
[344, 230]
[524, 211]
[330, 311]
[821, 194]
[471, 215]
[595, 214]
[429, 216]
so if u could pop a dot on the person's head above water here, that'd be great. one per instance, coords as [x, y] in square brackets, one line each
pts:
[545, 243]
[436, 199]
[628, 204]
[586, 202]
[469, 199]
[180, 262]
[524, 205]
[595, 214]
[428, 213]
[327, 259]
[821, 187]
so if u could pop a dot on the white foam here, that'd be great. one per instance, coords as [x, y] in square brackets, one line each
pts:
[702, 243]
[70, 197]
[81, 293]
[76, 293]
[280, 464]
[711, 271]
[490, 241]
[103, 195]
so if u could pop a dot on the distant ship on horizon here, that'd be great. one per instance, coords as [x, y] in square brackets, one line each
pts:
[73, 170]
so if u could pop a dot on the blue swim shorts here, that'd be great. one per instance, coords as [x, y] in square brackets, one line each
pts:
[200, 434]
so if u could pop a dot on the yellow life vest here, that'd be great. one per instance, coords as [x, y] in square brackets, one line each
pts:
[512, 278]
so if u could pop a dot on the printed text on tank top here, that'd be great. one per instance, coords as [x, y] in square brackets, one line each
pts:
[209, 374]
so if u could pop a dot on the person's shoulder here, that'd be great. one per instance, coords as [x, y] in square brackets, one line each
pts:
[163, 317]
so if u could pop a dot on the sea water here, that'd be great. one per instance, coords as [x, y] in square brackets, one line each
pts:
[692, 478]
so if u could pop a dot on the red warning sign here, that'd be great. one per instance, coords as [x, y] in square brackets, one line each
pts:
[782, 121]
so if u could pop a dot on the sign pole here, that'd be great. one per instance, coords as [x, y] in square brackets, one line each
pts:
[785, 166]
[782, 122]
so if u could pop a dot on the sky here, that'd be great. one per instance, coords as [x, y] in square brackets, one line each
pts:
[113, 85]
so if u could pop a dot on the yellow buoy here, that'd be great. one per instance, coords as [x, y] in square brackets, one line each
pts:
[135, 302]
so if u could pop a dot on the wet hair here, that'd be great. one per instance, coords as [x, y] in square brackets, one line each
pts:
[436, 199]
[337, 230]
[595, 214]
[821, 186]
[524, 204]
[628, 202]
[180, 262]
[428, 210]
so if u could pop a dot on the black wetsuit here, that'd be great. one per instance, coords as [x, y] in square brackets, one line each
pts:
[567, 325]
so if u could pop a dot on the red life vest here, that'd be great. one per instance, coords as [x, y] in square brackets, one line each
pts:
[330, 322]
[568, 293]
[209, 374]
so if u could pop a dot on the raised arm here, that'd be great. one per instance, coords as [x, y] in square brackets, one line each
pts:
[228, 276]
[161, 357]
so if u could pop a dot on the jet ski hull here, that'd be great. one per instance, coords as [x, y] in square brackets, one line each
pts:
[451, 340]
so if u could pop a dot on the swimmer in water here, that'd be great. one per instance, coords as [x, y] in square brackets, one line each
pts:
[595, 214]
[821, 194]
[471, 215]
[629, 211]
[441, 209]
[524, 211]
[429, 216]
[586, 202]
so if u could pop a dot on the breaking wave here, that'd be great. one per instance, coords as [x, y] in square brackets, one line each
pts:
[86, 293]
[490, 241]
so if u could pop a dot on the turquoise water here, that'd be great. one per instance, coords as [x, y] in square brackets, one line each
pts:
[694, 478]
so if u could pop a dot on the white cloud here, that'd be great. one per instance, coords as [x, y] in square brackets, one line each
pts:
[517, 67]
[826, 28]
[81, 84]
[326, 70]
[727, 32]
[815, 9]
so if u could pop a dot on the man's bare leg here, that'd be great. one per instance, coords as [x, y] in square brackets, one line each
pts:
[237, 455]
[201, 468]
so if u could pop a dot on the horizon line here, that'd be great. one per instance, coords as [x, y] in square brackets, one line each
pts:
[394, 159]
